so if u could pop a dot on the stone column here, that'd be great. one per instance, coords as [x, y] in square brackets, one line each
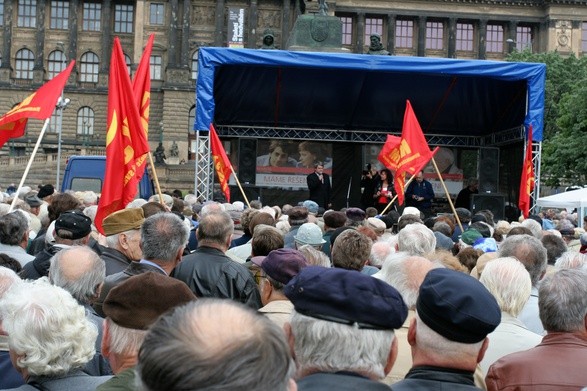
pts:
[421, 50]
[482, 37]
[5, 68]
[219, 30]
[391, 33]
[511, 35]
[185, 57]
[253, 27]
[172, 36]
[38, 69]
[452, 38]
[106, 38]
[360, 33]
[139, 33]
[74, 11]
[285, 23]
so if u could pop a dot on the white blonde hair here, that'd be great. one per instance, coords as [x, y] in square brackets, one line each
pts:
[509, 282]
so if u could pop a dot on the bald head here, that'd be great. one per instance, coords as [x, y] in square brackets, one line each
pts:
[80, 271]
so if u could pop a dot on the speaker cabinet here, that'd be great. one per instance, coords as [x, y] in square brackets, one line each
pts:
[247, 160]
[488, 170]
[493, 202]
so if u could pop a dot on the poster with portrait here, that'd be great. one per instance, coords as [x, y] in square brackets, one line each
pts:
[286, 163]
[445, 160]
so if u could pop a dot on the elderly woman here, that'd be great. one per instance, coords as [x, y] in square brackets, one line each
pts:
[49, 336]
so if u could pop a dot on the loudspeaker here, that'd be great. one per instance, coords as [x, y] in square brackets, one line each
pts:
[488, 170]
[247, 160]
[493, 202]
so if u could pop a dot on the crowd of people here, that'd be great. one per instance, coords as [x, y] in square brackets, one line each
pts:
[179, 294]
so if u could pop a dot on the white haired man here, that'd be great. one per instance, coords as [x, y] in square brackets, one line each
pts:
[123, 234]
[9, 377]
[342, 328]
[416, 239]
[49, 336]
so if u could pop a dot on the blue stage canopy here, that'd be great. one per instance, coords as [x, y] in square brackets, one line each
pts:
[243, 87]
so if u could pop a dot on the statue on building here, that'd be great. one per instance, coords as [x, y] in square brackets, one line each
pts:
[268, 40]
[160, 154]
[376, 47]
[322, 7]
[174, 151]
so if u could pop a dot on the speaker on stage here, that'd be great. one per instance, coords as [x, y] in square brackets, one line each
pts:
[493, 202]
[488, 170]
[247, 160]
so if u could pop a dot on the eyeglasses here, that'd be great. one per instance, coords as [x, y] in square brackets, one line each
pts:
[258, 276]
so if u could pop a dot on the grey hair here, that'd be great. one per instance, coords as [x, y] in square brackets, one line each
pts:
[212, 207]
[330, 347]
[314, 257]
[443, 228]
[84, 286]
[416, 239]
[533, 226]
[186, 350]
[112, 240]
[124, 341]
[528, 250]
[8, 278]
[13, 227]
[215, 228]
[379, 252]
[406, 273]
[162, 235]
[47, 328]
[562, 301]
[571, 260]
[509, 282]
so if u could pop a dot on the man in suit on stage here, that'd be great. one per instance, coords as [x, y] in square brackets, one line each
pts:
[319, 186]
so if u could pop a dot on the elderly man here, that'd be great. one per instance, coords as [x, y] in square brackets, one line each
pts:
[416, 239]
[420, 194]
[130, 308]
[297, 216]
[509, 282]
[49, 336]
[309, 233]
[9, 377]
[122, 231]
[342, 328]
[163, 239]
[277, 269]
[351, 250]
[14, 237]
[209, 272]
[448, 335]
[530, 251]
[81, 272]
[558, 362]
[214, 357]
[72, 228]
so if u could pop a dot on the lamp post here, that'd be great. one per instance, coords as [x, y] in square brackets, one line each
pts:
[61, 104]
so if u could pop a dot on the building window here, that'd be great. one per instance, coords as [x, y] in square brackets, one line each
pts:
[191, 119]
[434, 35]
[1, 12]
[89, 67]
[91, 16]
[494, 38]
[156, 14]
[464, 37]
[54, 122]
[85, 121]
[123, 18]
[27, 13]
[127, 62]
[523, 38]
[404, 33]
[373, 26]
[59, 15]
[155, 63]
[55, 63]
[25, 62]
[347, 30]
[195, 65]
[584, 37]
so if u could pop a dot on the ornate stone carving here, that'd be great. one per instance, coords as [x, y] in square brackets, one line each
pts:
[564, 30]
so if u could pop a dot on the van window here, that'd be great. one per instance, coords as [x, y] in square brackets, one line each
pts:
[86, 184]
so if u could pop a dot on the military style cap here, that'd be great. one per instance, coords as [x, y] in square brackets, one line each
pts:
[123, 220]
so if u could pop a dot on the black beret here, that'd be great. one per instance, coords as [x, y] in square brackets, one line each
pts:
[75, 222]
[457, 306]
[348, 297]
[45, 191]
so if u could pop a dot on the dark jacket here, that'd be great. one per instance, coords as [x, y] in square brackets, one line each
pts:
[115, 261]
[434, 378]
[319, 190]
[420, 189]
[133, 269]
[39, 267]
[76, 380]
[340, 381]
[124, 380]
[210, 273]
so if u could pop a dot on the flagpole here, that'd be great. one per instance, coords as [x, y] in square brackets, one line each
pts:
[154, 172]
[452, 207]
[239, 186]
[395, 196]
[28, 167]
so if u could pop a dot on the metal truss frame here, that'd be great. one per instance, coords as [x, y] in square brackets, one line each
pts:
[203, 180]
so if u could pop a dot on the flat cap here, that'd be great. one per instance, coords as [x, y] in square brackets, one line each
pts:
[283, 264]
[309, 233]
[347, 297]
[334, 219]
[45, 191]
[470, 236]
[123, 220]
[32, 200]
[77, 223]
[376, 225]
[311, 206]
[139, 301]
[457, 306]
[355, 214]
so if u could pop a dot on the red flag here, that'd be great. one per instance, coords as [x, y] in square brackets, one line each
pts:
[141, 85]
[221, 162]
[408, 154]
[126, 142]
[528, 180]
[40, 105]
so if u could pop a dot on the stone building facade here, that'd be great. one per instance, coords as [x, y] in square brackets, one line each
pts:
[39, 37]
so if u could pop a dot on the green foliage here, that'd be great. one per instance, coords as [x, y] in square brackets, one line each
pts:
[564, 156]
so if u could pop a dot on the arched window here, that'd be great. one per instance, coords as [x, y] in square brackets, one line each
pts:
[85, 121]
[128, 63]
[89, 67]
[55, 63]
[25, 62]
[156, 67]
[195, 65]
[191, 119]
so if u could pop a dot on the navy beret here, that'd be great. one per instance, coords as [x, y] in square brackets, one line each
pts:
[457, 306]
[348, 297]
